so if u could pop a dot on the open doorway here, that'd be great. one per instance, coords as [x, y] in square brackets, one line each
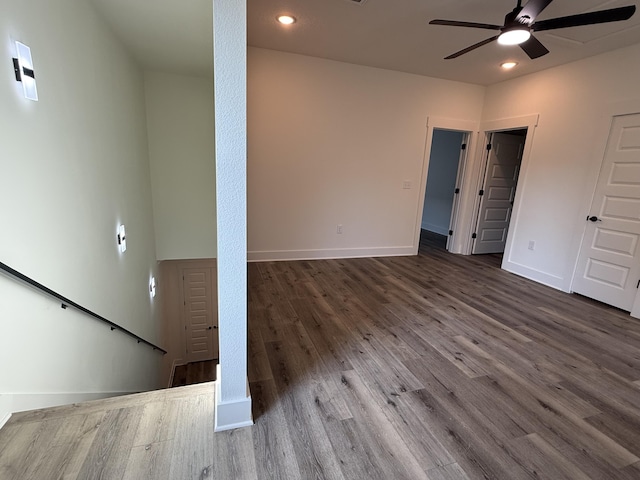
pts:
[444, 178]
[497, 191]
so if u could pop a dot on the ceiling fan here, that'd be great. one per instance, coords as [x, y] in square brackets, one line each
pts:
[520, 23]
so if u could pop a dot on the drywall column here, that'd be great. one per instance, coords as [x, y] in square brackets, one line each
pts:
[233, 402]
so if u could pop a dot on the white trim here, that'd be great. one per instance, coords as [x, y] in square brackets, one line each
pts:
[325, 254]
[452, 124]
[530, 122]
[233, 414]
[544, 278]
[471, 129]
[511, 123]
[5, 408]
[4, 421]
[176, 363]
[635, 309]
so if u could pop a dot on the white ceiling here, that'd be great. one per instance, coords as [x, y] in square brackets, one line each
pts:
[175, 35]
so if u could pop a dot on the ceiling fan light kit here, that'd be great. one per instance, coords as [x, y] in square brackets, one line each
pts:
[514, 36]
[520, 23]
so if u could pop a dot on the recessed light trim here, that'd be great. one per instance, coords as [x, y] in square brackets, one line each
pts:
[508, 65]
[286, 19]
[515, 36]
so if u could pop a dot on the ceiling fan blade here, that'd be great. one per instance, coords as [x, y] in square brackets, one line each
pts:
[591, 18]
[531, 10]
[472, 47]
[454, 23]
[534, 48]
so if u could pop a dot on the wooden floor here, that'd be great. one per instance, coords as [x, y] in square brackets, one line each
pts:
[166, 434]
[429, 367]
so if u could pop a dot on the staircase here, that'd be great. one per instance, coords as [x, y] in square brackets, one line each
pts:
[163, 434]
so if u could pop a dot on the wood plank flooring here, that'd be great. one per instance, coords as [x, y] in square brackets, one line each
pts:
[436, 367]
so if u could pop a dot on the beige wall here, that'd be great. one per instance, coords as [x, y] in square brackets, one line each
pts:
[574, 103]
[332, 143]
[181, 153]
[74, 165]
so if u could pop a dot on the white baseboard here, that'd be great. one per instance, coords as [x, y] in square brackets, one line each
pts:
[176, 363]
[231, 415]
[544, 278]
[5, 409]
[332, 253]
[4, 420]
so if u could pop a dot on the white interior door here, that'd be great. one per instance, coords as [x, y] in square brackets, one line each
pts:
[201, 332]
[498, 192]
[456, 193]
[608, 266]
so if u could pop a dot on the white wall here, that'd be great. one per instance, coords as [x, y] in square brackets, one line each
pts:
[181, 153]
[441, 180]
[556, 187]
[331, 143]
[233, 400]
[74, 165]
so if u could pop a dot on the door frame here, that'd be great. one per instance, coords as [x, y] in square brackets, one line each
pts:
[460, 227]
[530, 122]
[605, 121]
[483, 180]
[463, 160]
[172, 312]
[214, 311]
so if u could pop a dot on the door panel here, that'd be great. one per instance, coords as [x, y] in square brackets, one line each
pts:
[501, 177]
[609, 261]
[200, 327]
[492, 235]
[456, 195]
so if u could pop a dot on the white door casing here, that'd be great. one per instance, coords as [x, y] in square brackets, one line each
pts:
[456, 193]
[498, 192]
[608, 267]
[199, 313]
[459, 243]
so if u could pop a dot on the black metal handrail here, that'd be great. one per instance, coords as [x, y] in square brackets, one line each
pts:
[69, 303]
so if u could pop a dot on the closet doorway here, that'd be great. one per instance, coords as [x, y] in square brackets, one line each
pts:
[505, 150]
[447, 159]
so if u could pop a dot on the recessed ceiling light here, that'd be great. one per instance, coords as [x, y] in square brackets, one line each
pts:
[286, 19]
[509, 65]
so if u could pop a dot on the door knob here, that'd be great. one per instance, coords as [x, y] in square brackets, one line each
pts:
[209, 328]
[593, 218]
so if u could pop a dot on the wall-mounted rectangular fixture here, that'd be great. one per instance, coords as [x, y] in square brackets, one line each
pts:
[122, 239]
[152, 287]
[23, 67]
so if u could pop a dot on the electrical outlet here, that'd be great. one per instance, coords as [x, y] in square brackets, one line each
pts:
[406, 185]
[339, 230]
[532, 245]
